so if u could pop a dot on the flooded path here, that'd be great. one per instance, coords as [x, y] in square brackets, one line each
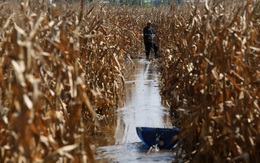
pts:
[142, 108]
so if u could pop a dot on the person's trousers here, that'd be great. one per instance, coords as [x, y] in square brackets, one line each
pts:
[148, 46]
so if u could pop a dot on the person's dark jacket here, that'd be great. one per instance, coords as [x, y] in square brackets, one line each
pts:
[147, 32]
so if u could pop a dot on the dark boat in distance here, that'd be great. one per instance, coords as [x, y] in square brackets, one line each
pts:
[164, 138]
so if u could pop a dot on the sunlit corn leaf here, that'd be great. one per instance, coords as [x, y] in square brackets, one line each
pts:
[19, 68]
[63, 151]
[20, 30]
[28, 102]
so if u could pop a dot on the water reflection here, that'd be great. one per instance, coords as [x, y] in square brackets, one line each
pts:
[132, 153]
[142, 107]
[142, 104]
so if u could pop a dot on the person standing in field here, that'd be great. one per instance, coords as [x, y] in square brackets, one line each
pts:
[149, 34]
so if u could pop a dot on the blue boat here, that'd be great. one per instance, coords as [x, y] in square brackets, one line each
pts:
[164, 138]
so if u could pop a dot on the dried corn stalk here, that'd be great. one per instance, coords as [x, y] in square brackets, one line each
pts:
[210, 79]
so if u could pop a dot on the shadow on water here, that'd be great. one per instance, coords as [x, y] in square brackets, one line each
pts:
[142, 108]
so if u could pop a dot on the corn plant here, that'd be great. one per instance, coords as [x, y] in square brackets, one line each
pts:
[210, 77]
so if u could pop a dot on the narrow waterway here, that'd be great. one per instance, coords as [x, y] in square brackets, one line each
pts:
[142, 108]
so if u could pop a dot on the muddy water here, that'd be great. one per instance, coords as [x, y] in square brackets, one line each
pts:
[142, 107]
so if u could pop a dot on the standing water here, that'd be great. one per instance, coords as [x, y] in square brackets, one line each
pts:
[142, 108]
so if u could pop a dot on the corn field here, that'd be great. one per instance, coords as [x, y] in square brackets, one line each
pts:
[211, 77]
[63, 68]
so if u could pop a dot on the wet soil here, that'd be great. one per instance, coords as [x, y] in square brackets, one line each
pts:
[142, 108]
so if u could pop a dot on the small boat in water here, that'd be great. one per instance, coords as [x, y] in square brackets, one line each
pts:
[164, 138]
